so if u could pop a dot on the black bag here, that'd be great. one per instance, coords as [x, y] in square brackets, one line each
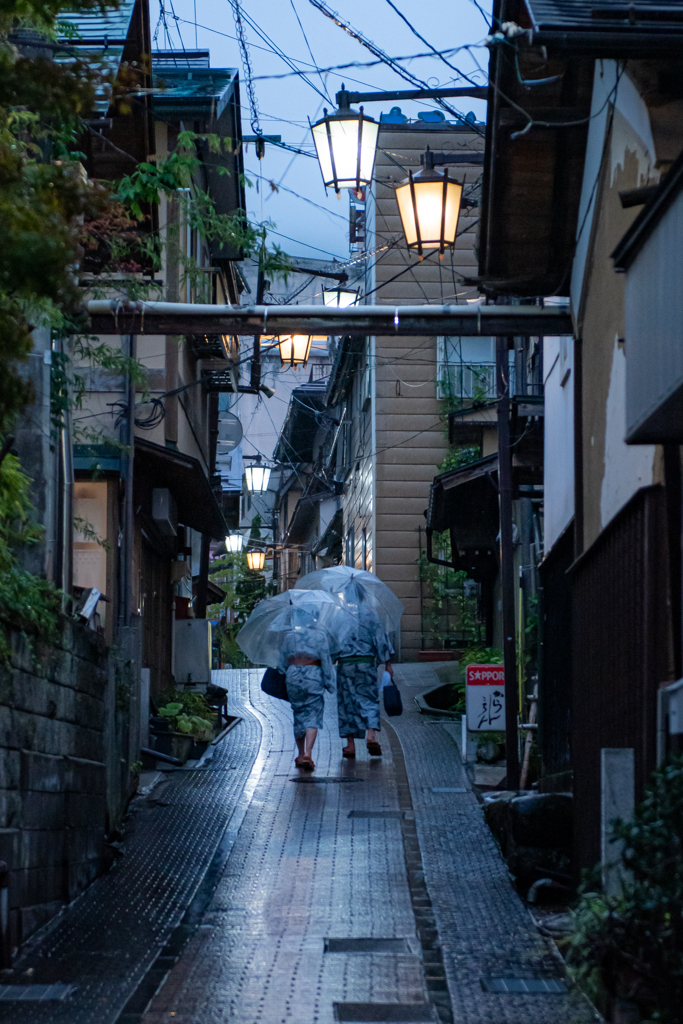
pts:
[393, 705]
[273, 683]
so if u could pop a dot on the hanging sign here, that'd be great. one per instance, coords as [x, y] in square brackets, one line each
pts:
[485, 698]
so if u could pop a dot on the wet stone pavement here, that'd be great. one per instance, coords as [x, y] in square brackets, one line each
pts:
[358, 894]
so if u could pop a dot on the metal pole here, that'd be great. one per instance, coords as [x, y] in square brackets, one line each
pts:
[507, 577]
[203, 581]
[256, 359]
[126, 563]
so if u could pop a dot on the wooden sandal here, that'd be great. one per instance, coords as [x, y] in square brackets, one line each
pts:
[350, 754]
[374, 749]
[304, 763]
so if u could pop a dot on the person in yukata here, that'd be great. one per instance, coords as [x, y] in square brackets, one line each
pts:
[305, 660]
[357, 679]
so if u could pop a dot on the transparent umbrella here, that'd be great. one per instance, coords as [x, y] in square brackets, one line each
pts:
[356, 587]
[263, 633]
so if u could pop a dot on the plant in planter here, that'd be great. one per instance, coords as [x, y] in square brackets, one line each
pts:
[627, 950]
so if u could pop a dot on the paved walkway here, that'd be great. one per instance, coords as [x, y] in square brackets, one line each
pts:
[360, 894]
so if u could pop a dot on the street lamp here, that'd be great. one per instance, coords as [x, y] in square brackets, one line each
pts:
[340, 297]
[234, 543]
[429, 205]
[345, 142]
[295, 349]
[256, 560]
[257, 477]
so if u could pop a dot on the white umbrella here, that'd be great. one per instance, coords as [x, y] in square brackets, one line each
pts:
[263, 633]
[355, 587]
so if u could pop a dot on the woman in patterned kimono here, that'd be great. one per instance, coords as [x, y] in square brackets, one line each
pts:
[305, 659]
[358, 683]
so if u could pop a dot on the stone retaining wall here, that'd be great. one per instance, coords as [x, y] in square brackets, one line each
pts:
[53, 777]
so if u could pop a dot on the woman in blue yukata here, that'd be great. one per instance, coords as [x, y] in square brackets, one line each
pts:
[305, 659]
[357, 678]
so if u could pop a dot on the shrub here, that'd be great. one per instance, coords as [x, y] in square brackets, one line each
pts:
[630, 946]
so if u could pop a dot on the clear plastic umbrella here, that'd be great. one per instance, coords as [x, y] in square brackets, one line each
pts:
[355, 587]
[263, 633]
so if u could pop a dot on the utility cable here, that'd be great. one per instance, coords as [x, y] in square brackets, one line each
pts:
[427, 43]
[246, 63]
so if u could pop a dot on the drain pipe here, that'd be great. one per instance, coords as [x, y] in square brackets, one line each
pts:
[5, 939]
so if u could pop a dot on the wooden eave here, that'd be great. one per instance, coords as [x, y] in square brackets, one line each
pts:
[532, 183]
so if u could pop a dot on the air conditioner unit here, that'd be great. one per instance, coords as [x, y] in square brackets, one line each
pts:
[164, 511]
[192, 652]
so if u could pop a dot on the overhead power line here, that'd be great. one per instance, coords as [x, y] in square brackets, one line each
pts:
[386, 59]
[246, 62]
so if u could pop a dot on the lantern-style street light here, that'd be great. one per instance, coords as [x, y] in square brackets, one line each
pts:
[256, 560]
[340, 297]
[257, 477]
[345, 142]
[295, 349]
[234, 543]
[429, 205]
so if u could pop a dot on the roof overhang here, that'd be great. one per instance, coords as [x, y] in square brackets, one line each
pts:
[113, 317]
[183, 475]
[607, 28]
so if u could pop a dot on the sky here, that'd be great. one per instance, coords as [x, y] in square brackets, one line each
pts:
[307, 221]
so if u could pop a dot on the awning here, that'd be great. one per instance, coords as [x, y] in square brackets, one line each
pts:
[185, 479]
[304, 516]
[465, 501]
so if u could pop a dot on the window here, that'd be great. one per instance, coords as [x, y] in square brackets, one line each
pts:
[350, 547]
[466, 368]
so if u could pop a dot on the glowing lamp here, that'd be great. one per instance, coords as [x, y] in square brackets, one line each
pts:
[256, 560]
[234, 543]
[346, 143]
[295, 349]
[429, 205]
[257, 477]
[340, 297]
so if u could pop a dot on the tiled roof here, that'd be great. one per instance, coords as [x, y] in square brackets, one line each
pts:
[192, 92]
[109, 26]
[605, 15]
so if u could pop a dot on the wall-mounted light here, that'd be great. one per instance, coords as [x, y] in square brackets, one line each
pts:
[234, 543]
[256, 560]
[340, 297]
[346, 143]
[429, 205]
[295, 349]
[257, 477]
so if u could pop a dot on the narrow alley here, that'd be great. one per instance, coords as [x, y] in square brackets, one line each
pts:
[370, 891]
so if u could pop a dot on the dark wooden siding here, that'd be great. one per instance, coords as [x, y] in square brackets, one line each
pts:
[621, 653]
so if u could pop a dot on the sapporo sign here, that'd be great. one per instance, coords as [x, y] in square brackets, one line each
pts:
[485, 698]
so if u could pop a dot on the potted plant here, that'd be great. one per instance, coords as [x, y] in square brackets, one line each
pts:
[186, 725]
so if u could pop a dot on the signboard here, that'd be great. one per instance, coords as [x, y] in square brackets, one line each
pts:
[485, 698]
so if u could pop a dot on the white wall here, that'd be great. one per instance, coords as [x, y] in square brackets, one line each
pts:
[558, 437]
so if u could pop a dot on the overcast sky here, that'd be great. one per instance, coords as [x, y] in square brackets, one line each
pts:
[311, 223]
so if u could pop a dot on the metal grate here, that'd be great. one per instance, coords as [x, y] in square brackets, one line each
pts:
[385, 1013]
[35, 993]
[377, 814]
[524, 986]
[448, 789]
[322, 778]
[366, 946]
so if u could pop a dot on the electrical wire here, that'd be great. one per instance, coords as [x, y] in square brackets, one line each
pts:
[374, 49]
[427, 43]
[246, 63]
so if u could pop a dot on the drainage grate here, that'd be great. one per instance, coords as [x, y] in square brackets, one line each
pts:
[448, 789]
[377, 814]
[322, 778]
[34, 993]
[524, 986]
[366, 946]
[385, 1013]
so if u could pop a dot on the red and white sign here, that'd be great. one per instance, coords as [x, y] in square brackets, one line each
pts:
[485, 698]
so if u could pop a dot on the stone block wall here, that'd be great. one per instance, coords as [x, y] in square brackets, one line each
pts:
[53, 792]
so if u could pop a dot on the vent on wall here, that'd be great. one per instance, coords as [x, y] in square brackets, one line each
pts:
[164, 511]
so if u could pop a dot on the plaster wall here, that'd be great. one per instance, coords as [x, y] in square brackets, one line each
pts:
[612, 471]
[558, 437]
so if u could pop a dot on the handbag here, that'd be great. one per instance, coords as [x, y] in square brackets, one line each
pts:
[274, 684]
[393, 705]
